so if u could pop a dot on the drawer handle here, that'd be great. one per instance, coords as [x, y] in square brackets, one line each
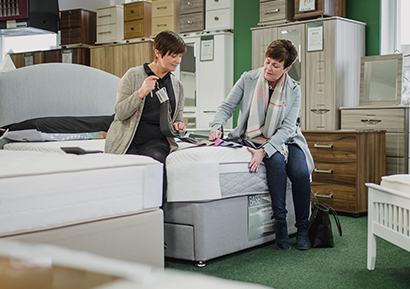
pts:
[132, 28]
[371, 121]
[162, 7]
[216, 0]
[330, 196]
[216, 18]
[132, 11]
[160, 25]
[102, 16]
[209, 111]
[320, 110]
[190, 22]
[323, 171]
[189, 3]
[328, 146]
[272, 11]
[105, 32]
[189, 112]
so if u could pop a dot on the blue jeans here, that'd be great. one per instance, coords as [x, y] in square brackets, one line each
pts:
[297, 171]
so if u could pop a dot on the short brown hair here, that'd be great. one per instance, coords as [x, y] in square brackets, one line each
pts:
[282, 50]
[169, 42]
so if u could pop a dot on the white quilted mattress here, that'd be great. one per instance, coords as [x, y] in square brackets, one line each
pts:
[42, 190]
[55, 146]
[211, 173]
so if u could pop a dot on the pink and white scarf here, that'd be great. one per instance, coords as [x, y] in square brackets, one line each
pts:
[265, 116]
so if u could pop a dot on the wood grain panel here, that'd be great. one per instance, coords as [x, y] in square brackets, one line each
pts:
[346, 160]
[389, 119]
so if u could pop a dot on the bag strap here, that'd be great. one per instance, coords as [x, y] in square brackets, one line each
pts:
[336, 218]
[332, 211]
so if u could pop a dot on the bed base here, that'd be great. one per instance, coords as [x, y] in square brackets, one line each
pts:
[388, 218]
[136, 237]
[200, 231]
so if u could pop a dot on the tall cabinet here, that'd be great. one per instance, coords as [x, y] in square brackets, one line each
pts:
[328, 66]
[206, 70]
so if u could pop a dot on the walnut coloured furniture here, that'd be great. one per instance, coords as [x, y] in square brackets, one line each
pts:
[78, 26]
[344, 162]
[137, 20]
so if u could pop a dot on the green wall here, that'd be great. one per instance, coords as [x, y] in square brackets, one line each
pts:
[369, 12]
[247, 16]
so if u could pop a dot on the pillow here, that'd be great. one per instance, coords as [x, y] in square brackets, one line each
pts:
[58, 128]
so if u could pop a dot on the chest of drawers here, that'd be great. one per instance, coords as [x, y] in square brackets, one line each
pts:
[110, 24]
[344, 162]
[137, 20]
[165, 16]
[219, 15]
[78, 26]
[275, 11]
[395, 120]
[192, 15]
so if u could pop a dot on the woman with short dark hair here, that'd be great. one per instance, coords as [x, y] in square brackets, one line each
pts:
[136, 127]
[269, 102]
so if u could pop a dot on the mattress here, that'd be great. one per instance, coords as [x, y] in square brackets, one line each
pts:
[42, 190]
[55, 146]
[212, 173]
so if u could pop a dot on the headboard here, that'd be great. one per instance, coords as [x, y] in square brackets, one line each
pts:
[56, 89]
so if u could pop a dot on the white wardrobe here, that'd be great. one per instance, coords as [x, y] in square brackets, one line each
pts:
[206, 70]
[328, 67]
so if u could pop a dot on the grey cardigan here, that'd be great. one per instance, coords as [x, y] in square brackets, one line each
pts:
[128, 111]
[288, 133]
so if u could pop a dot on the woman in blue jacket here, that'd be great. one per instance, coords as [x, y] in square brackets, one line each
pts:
[269, 102]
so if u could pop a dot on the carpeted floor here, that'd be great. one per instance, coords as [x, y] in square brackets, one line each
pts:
[343, 266]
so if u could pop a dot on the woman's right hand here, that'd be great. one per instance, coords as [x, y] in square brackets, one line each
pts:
[147, 86]
[215, 134]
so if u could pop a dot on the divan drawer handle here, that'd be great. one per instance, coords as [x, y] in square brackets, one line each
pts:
[323, 171]
[330, 196]
[272, 11]
[371, 121]
[327, 146]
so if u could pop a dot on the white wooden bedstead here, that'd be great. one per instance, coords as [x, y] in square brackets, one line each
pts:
[98, 203]
[388, 214]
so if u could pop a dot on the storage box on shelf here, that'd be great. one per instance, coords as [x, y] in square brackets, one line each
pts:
[207, 78]
[77, 55]
[78, 27]
[219, 15]
[344, 162]
[191, 16]
[137, 20]
[110, 24]
[118, 58]
[165, 16]
[319, 8]
[274, 11]
[328, 70]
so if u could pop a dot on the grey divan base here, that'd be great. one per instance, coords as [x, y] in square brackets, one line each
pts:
[200, 231]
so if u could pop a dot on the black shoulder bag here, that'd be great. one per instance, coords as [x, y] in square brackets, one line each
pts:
[320, 227]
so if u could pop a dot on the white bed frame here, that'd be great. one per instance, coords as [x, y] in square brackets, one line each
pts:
[388, 218]
[61, 89]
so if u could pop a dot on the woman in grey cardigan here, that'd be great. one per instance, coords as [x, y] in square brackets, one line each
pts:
[136, 127]
[269, 106]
